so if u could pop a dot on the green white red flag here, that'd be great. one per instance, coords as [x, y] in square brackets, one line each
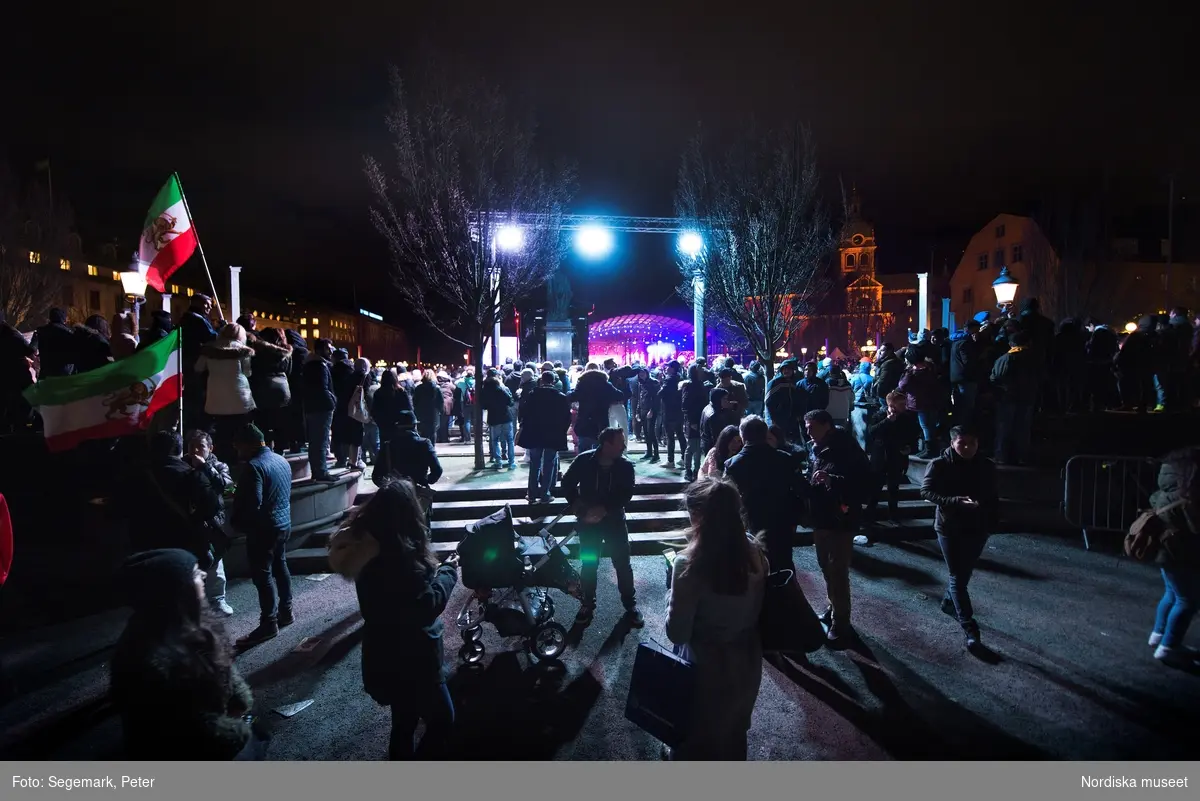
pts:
[110, 401]
[168, 238]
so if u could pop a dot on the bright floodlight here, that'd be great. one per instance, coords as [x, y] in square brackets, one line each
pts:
[690, 244]
[510, 237]
[594, 241]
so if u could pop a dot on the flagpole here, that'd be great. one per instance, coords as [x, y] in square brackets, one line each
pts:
[199, 246]
[182, 378]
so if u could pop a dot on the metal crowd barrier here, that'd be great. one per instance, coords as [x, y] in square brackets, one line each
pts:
[1107, 493]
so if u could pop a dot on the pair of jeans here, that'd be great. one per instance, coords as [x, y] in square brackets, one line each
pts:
[543, 472]
[1181, 596]
[1014, 430]
[834, 548]
[961, 550]
[465, 421]
[371, 440]
[674, 431]
[428, 428]
[928, 421]
[592, 540]
[694, 456]
[503, 446]
[430, 704]
[650, 436]
[214, 583]
[317, 425]
[267, 554]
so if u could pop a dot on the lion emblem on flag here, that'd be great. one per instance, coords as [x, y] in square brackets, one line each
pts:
[128, 402]
[161, 231]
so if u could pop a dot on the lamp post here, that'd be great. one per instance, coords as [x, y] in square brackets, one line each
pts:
[134, 284]
[691, 247]
[1005, 288]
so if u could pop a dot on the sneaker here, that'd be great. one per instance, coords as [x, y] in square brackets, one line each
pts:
[326, 479]
[971, 630]
[653, 460]
[1182, 658]
[548, 499]
[285, 618]
[222, 607]
[512, 466]
[360, 465]
[861, 539]
[634, 618]
[1155, 639]
[948, 607]
[671, 464]
[586, 613]
[267, 630]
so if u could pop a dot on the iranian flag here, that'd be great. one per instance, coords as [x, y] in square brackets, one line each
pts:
[168, 238]
[111, 401]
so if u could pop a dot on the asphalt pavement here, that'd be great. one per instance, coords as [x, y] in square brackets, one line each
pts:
[1069, 675]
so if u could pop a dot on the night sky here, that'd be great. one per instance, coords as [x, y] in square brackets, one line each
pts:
[942, 118]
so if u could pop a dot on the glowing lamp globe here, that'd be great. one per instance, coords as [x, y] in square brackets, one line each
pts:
[510, 238]
[1005, 288]
[690, 244]
[1130, 328]
[134, 283]
[594, 241]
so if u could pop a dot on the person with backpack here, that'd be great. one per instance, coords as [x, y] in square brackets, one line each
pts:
[963, 486]
[1178, 556]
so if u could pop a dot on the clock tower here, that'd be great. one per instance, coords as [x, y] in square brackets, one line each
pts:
[856, 254]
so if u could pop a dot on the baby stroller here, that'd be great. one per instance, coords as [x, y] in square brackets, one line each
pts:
[500, 567]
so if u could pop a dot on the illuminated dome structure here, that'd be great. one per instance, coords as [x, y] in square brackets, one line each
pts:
[645, 338]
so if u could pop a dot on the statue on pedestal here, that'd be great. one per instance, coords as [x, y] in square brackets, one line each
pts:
[558, 296]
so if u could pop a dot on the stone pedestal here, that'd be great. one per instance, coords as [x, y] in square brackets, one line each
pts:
[560, 336]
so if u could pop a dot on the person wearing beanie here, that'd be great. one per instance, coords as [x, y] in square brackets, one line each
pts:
[172, 677]
[262, 509]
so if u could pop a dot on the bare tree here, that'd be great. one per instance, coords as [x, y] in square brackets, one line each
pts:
[767, 236]
[1067, 270]
[465, 169]
[29, 223]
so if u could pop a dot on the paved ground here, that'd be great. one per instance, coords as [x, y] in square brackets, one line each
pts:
[1071, 676]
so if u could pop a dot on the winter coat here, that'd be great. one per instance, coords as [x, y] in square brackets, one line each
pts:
[738, 396]
[299, 360]
[173, 506]
[427, 401]
[196, 332]
[497, 402]
[951, 479]
[756, 385]
[862, 383]
[1102, 346]
[1185, 519]
[161, 326]
[588, 484]
[967, 363]
[840, 456]
[769, 484]
[888, 372]
[402, 653]
[670, 402]
[714, 420]
[693, 400]
[647, 403]
[386, 406]
[841, 399]
[619, 378]
[92, 349]
[512, 381]
[890, 441]
[786, 405]
[545, 415]
[920, 383]
[466, 386]
[55, 344]
[1041, 329]
[227, 391]
[346, 380]
[1016, 376]
[263, 504]
[270, 368]
[318, 386]
[816, 393]
[446, 387]
[524, 391]
[1138, 354]
[412, 456]
[594, 394]
[174, 702]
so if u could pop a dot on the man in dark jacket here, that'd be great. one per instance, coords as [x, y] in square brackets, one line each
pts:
[966, 372]
[756, 388]
[767, 480]
[180, 501]
[196, 331]
[500, 408]
[297, 435]
[693, 398]
[597, 486]
[55, 343]
[889, 369]
[1100, 350]
[1136, 361]
[411, 455]
[963, 485]
[815, 389]
[838, 481]
[670, 405]
[785, 404]
[1176, 365]
[545, 417]
[892, 437]
[594, 394]
[647, 408]
[427, 404]
[319, 403]
[1016, 377]
[262, 509]
[716, 417]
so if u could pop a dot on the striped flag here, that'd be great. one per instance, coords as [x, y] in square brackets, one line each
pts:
[168, 238]
[111, 401]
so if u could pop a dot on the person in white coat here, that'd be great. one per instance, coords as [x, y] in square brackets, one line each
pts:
[229, 400]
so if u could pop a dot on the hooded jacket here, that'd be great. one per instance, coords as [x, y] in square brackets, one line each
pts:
[862, 382]
[920, 384]
[840, 456]
[55, 343]
[1017, 375]
[949, 481]
[714, 419]
[270, 367]
[227, 391]
[888, 372]
[594, 394]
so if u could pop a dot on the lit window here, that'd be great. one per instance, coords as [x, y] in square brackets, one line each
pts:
[63, 264]
[908, 303]
[304, 333]
[303, 321]
[983, 261]
[116, 276]
[35, 257]
[316, 322]
[316, 332]
[174, 289]
[190, 292]
[93, 270]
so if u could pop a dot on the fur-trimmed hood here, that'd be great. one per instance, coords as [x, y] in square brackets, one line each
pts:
[230, 351]
[262, 347]
[350, 552]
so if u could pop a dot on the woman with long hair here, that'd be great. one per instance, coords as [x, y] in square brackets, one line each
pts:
[728, 445]
[228, 400]
[1178, 496]
[402, 592]
[717, 586]
[173, 681]
[270, 366]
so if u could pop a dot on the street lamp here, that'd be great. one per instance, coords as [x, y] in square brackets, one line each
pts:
[803, 352]
[134, 283]
[691, 244]
[1005, 288]
[594, 241]
[510, 238]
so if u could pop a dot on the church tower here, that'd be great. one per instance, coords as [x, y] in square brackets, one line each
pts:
[856, 254]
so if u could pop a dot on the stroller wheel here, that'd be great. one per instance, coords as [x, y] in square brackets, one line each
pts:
[548, 641]
[473, 634]
[471, 652]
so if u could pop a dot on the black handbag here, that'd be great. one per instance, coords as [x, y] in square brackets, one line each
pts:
[787, 623]
[661, 694]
